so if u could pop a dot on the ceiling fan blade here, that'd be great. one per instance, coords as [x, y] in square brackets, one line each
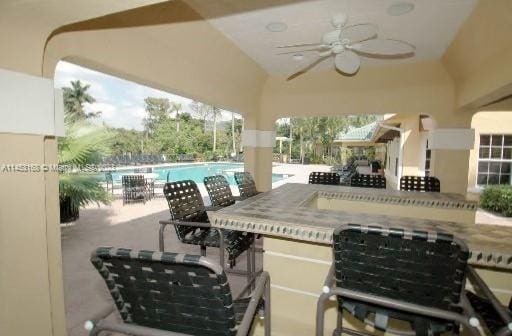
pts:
[299, 51]
[300, 45]
[306, 65]
[358, 32]
[384, 47]
[347, 62]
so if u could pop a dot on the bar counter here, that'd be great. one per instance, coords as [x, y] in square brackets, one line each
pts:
[298, 220]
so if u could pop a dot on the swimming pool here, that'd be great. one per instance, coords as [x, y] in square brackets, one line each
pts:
[195, 172]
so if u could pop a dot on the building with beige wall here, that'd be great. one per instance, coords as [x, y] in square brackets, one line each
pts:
[490, 156]
[179, 46]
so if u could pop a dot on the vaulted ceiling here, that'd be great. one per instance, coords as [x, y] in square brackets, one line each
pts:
[431, 26]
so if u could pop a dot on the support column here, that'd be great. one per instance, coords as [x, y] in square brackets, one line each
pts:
[31, 290]
[258, 142]
[451, 143]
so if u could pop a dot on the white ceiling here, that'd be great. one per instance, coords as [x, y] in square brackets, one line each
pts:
[430, 27]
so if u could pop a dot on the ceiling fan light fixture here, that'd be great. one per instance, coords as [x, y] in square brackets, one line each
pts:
[400, 8]
[276, 27]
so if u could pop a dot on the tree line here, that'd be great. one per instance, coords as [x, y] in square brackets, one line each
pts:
[312, 138]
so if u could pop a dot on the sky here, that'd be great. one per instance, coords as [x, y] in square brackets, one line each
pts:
[120, 101]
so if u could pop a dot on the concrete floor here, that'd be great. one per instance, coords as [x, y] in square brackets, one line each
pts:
[136, 226]
[133, 226]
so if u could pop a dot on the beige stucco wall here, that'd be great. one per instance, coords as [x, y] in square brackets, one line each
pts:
[31, 280]
[419, 88]
[480, 57]
[486, 122]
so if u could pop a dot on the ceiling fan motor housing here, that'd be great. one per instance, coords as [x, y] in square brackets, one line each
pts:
[331, 37]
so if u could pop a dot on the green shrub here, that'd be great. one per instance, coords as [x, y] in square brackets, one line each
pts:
[497, 198]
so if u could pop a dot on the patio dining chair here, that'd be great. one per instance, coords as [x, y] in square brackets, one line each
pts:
[190, 220]
[420, 183]
[368, 181]
[219, 191]
[324, 178]
[134, 189]
[171, 294]
[245, 184]
[416, 277]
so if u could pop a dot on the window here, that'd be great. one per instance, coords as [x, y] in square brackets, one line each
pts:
[494, 159]
[428, 155]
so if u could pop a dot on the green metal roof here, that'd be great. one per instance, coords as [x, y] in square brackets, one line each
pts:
[363, 133]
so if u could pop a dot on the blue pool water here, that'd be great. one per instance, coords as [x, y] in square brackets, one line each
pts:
[196, 172]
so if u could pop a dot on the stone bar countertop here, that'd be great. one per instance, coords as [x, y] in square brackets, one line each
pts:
[287, 212]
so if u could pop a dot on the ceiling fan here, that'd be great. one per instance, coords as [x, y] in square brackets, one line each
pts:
[347, 44]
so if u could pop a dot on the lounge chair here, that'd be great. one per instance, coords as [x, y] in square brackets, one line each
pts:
[190, 219]
[186, 158]
[134, 189]
[416, 277]
[324, 178]
[368, 181]
[171, 294]
[420, 183]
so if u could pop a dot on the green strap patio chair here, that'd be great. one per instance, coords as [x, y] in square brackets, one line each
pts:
[368, 181]
[190, 220]
[245, 184]
[171, 294]
[420, 183]
[134, 189]
[416, 277]
[324, 178]
[219, 191]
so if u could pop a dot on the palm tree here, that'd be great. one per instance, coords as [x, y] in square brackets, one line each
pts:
[74, 99]
[291, 139]
[299, 125]
[215, 113]
[177, 108]
[233, 131]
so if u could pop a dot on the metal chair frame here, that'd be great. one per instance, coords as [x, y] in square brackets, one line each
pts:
[468, 318]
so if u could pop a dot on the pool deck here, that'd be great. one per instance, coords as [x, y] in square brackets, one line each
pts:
[136, 226]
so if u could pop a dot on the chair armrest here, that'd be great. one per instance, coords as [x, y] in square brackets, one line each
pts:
[91, 323]
[502, 311]
[262, 289]
[131, 329]
[164, 223]
[329, 280]
[194, 224]
[469, 322]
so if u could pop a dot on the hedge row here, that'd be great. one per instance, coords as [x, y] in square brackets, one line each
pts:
[498, 199]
